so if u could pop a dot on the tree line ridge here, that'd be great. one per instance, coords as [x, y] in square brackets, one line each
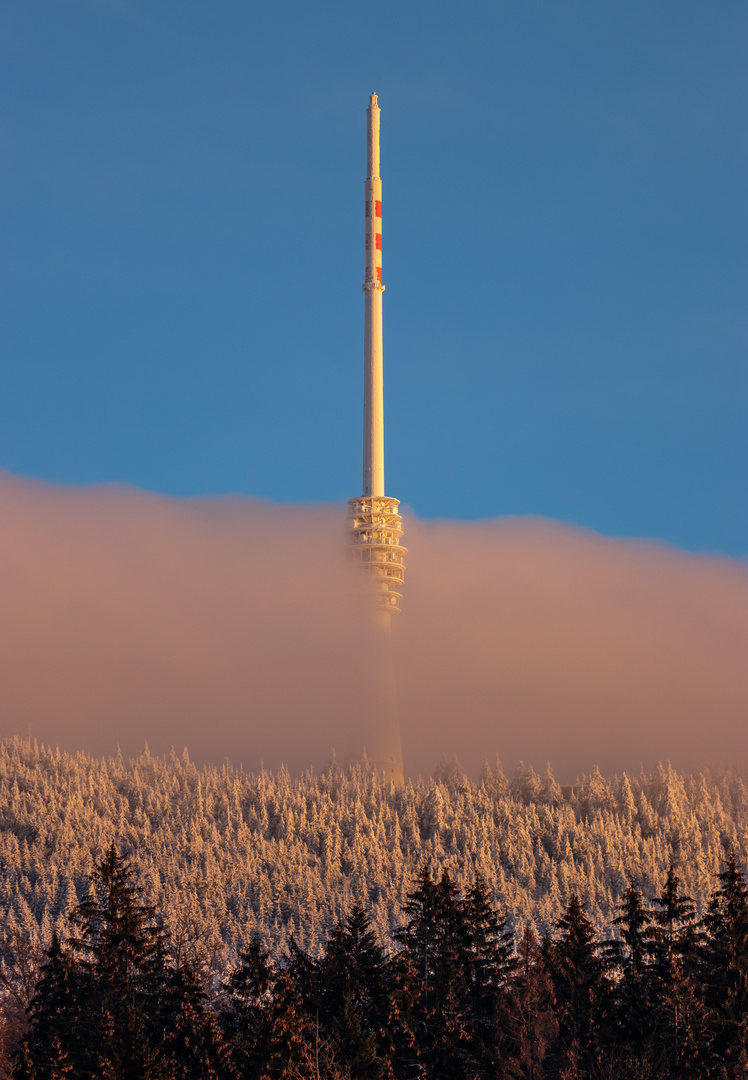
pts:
[227, 856]
[456, 996]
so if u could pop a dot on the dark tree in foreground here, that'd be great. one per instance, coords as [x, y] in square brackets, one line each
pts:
[457, 956]
[527, 1015]
[629, 960]
[724, 971]
[108, 1003]
[450, 1001]
[435, 940]
[120, 952]
[192, 1046]
[296, 1045]
[246, 1015]
[490, 946]
[678, 1014]
[21, 960]
[54, 1044]
[356, 988]
[579, 982]
[490, 964]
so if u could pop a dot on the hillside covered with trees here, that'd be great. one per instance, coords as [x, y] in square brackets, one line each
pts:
[225, 855]
[457, 997]
[234, 862]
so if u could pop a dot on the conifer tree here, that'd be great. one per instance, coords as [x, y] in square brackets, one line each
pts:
[192, 1046]
[121, 949]
[356, 986]
[579, 982]
[110, 1005]
[725, 970]
[678, 1015]
[629, 958]
[490, 946]
[245, 1020]
[53, 1047]
[354, 1046]
[675, 935]
[527, 1015]
[294, 1043]
[436, 942]
[490, 963]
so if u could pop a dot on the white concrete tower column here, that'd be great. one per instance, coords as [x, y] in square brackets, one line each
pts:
[373, 289]
[375, 522]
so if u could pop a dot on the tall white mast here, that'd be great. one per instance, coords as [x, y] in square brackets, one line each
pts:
[375, 522]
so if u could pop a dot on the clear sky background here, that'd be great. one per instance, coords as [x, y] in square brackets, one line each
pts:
[564, 253]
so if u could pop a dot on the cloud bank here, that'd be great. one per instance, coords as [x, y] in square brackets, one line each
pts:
[227, 626]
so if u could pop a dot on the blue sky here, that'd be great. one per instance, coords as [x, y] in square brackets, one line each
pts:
[564, 254]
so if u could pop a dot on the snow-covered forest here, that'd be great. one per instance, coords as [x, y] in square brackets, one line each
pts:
[225, 855]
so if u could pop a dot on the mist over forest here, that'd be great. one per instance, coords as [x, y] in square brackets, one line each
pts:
[232, 627]
[228, 626]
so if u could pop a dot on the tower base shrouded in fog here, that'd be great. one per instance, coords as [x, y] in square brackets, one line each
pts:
[375, 524]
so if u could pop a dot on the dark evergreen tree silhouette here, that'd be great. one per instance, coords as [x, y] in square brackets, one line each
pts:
[354, 1047]
[724, 971]
[458, 954]
[527, 1017]
[192, 1046]
[245, 1018]
[490, 963]
[435, 939]
[490, 946]
[295, 1043]
[678, 1014]
[355, 989]
[629, 960]
[675, 932]
[53, 1046]
[110, 1005]
[120, 949]
[579, 982]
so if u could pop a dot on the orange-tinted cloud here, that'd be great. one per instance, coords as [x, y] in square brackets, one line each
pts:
[226, 626]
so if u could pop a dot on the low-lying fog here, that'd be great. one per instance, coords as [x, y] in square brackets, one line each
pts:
[227, 626]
